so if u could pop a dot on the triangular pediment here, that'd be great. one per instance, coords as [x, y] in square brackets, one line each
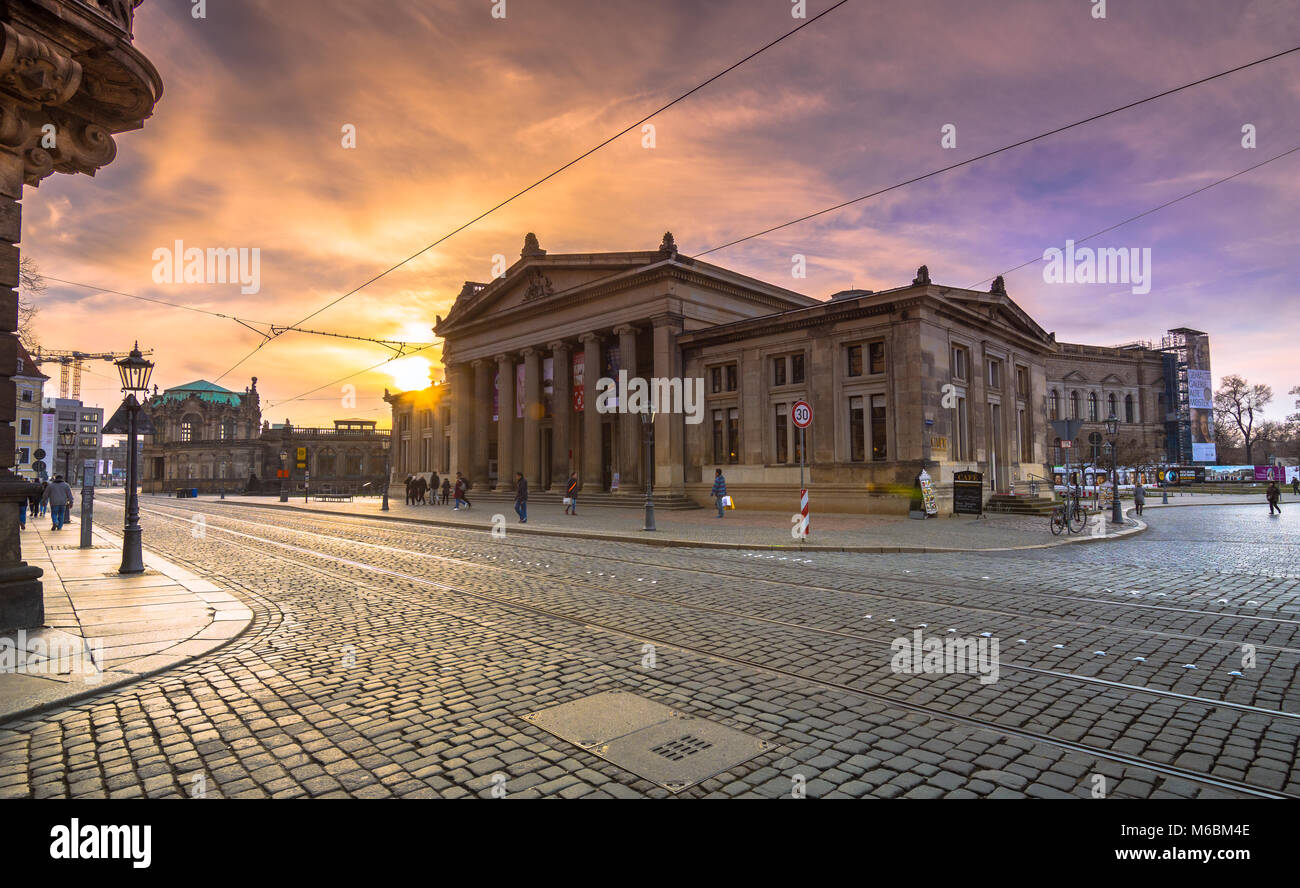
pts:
[1112, 379]
[1074, 376]
[998, 309]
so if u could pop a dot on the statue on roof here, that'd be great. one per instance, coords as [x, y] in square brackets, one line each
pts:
[668, 244]
[999, 287]
[254, 388]
[531, 246]
[922, 276]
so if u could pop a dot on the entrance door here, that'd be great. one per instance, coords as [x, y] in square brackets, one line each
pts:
[606, 455]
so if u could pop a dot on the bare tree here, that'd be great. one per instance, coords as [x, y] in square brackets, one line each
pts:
[1295, 417]
[31, 284]
[1241, 403]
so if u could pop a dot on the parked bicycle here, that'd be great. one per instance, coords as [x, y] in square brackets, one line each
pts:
[1070, 516]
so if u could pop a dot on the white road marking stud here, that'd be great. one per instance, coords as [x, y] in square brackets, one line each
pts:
[891, 620]
[1189, 665]
[1058, 646]
[1099, 653]
[986, 635]
[1140, 659]
[1256, 603]
[1222, 601]
[1021, 641]
[1235, 672]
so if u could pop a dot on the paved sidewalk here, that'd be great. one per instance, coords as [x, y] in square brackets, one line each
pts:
[701, 528]
[103, 629]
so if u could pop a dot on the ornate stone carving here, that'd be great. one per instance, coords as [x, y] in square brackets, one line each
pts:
[539, 285]
[668, 245]
[922, 276]
[999, 286]
[119, 12]
[33, 70]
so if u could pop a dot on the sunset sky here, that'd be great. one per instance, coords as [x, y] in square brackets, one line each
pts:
[456, 110]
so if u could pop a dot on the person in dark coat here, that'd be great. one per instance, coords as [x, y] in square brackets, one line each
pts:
[1273, 495]
[1295, 486]
[433, 489]
[719, 489]
[421, 488]
[34, 499]
[459, 493]
[1139, 496]
[446, 489]
[59, 495]
[571, 493]
[521, 497]
[410, 489]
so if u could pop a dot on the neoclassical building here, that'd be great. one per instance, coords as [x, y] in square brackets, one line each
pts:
[919, 376]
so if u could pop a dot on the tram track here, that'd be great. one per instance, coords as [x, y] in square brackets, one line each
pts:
[639, 635]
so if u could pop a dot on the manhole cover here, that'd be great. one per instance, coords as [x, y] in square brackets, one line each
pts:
[664, 746]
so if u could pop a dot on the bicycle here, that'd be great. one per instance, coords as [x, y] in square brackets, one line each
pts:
[1071, 516]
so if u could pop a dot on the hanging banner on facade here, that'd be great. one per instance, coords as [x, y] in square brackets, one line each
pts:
[1200, 398]
[612, 366]
[579, 369]
[519, 391]
[548, 386]
[496, 396]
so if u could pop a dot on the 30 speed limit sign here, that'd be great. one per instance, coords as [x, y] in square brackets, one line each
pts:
[801, 414]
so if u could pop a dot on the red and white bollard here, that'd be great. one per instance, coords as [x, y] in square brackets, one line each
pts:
[803, 510]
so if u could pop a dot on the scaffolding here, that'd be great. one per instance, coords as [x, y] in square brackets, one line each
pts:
[1178, 410]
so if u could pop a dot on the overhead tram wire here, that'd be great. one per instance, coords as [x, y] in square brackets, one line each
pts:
[914, 179]
[1145, 213]
[555, 172]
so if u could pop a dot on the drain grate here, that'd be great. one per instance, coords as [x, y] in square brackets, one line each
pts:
[676, 750]
[666, 747]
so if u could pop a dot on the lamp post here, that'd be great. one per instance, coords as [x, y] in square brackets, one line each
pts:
[135, 372]
[67, 439]
[648, 437]
[388, 472]
[284, 476]
[1112, 429]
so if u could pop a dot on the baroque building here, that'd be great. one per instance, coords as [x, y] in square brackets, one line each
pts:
[212, 439]
[918, 377]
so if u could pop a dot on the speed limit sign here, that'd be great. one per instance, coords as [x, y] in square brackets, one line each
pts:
[801, 414]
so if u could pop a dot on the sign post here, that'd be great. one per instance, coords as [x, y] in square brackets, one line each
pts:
[968, 493]
[87, 501]
[801, 416]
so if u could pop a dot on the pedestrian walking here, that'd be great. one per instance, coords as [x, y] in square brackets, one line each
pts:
[1273, 494]
[44, 486]
[410, 489]
[59, 496]
[433, 489]
[446, 489]
[571, 495]
[459, 493]
[521, 497]
[421, 488]
[1139, 497]
[464, 494]
[1295, 485]
[34, 499]
[719, 489]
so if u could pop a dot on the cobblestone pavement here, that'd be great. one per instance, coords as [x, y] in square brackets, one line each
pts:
[400, 660]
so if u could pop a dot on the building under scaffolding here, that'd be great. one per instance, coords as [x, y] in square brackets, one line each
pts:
[1189, 394]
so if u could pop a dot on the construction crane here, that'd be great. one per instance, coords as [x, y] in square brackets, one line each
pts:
[70, 365]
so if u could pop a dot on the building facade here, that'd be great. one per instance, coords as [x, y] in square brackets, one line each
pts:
[213, 439]
[29, 385]
[87, 425]
[922, 376]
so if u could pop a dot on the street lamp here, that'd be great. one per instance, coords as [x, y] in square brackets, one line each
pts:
[1112, 429]
[284, 476]
[388, 472]
[67, 438]
[135, 372]
[648, 437]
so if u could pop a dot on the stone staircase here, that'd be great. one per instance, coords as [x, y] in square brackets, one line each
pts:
[1003, 503]
[664, 502]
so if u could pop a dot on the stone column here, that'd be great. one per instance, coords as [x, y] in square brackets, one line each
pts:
[483, 370]
[629, 424]
[532, 414]
[670, 425]
[562, 413]
[462, 418]
[591, 468]
[505, 422]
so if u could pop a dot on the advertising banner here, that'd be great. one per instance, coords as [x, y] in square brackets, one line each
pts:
[519, 391]
[548, 386]
[1200, 390]
[496, 396]
[579, 380]
[1200, 398]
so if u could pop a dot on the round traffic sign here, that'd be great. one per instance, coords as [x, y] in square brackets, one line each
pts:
[801, 414]
[40, 453]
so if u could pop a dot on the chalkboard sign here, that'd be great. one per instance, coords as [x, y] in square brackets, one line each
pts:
[968, 493]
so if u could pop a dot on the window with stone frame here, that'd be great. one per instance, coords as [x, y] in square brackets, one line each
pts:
[1054, 404]
[1022, 381]
[190, 429]
[1129, 415]
[960, 363]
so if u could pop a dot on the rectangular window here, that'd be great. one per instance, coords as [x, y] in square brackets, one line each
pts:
[719, 439]
[961, 434]
[960, 363]
[857, 431]
[1022, 382]
[731, 377]
[89, 442]
[879, 450]
[27, 395]
[24, 427]
[855, 360]
[995, 373]
[715, 377]
[778, 371]
[782, 427]
[733, 435]
[796, 369]
[23, 455]
[876, 358]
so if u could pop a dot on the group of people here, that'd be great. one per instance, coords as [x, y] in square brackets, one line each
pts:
[420, 492]
[55, 495]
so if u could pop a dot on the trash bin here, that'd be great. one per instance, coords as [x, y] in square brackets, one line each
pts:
[194, 493]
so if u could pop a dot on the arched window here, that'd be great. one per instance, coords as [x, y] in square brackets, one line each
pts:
[1128, 409]
[1092, 406]
[1110, 402]
[1054, 404]
[190, 426]
[325, 460]
[1074, 405]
